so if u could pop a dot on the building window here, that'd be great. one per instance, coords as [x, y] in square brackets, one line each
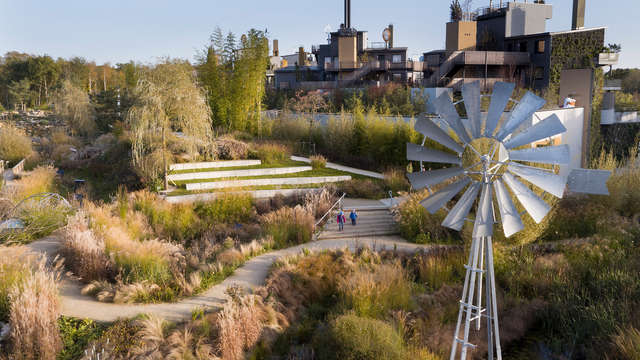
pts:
[540, 45]
[509, 47]
[396, 59]
[539, 73]
[523, 46]
[397, 77]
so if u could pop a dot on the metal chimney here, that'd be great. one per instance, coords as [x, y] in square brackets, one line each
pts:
[276, 51]
[578, 14]
[347, 14]
[391, 37]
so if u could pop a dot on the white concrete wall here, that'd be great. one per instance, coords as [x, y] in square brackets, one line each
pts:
[237, 173]
[573, 120]
[263, 182]
[258, 194]
[213, 164]
[348, 169]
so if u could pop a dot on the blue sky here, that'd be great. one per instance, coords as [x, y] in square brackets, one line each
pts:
[143, 30]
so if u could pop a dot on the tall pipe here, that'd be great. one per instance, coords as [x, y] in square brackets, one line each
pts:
[346, 16]
[578, 14]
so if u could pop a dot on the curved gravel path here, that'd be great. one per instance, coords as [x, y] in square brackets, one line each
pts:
[251, 275]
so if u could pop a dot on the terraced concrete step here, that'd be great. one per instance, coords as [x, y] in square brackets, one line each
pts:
[265, 182]
[237, 173]
[357, 235]
[358, 228]
[214, 164]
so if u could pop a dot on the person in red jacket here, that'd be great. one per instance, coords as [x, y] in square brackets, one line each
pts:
[341, 219]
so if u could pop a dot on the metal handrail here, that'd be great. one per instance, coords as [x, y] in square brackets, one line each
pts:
[330, 209]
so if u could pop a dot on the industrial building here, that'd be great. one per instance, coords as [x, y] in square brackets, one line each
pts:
[509, 42]
[349, 59]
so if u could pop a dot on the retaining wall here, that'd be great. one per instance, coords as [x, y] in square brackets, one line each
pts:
[263, 182]
[213, 164]
[238, 173]
[258, 194]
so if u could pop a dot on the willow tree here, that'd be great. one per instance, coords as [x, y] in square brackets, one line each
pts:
[73, 105]
[168, 99]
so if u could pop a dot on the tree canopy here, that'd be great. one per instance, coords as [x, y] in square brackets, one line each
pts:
[167, 99]
[233, 74]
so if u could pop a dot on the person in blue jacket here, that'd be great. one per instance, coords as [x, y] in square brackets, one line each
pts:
[353, 216]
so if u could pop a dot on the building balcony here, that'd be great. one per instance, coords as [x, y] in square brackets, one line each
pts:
[608, 59]
[342, 66]
[477, 58]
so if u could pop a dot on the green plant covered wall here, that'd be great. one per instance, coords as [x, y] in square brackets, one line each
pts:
[574, 50]
[579, 50]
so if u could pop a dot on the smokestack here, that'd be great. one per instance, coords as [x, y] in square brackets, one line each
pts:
[302, 58]
[276, 52]
[391, 37]
[578, 14]
[347, 14]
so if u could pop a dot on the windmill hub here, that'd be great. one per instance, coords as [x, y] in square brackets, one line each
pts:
[486, 159]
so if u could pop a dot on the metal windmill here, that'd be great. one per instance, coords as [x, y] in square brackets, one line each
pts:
[497, 164]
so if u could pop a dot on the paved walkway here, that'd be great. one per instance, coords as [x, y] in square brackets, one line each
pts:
[343, 168]
[251, 275]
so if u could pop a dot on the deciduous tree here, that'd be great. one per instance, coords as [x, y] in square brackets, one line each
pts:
[168, 98]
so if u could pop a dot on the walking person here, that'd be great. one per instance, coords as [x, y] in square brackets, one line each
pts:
[341, 219]
[353, 216]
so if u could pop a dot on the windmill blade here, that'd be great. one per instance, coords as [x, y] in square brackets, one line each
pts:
[499, 99]
[556, 155]
[535, 206]
[456, 217]
[423, 179]
[511, 222]
[528, 105]
[421, 153]
[429, 129]
[589, 181]
[546, 128]
[483, 225]
[448, 112]
[547, 181]
[471, 96]
[436, 201]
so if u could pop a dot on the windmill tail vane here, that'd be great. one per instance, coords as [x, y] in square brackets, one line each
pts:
[500, 163]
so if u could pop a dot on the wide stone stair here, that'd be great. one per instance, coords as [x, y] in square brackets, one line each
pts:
[372, 222]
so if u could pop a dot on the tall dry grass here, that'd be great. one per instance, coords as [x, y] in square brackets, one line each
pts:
[624, 184]
[226, 334]
[318, 161]
[84, 252]
[35, 309]
[178, 222]
[29, 301]
[372, 291]
[15, 145]
[121, 264]
[418, 225]
[272, 153]
[239, 326]
[289, 226]
[395, 180]
[626, 343]
[319, 202]
[40, 180]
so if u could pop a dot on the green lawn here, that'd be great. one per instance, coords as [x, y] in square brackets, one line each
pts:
[183, 191]
[278, 164]
[308, 173]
